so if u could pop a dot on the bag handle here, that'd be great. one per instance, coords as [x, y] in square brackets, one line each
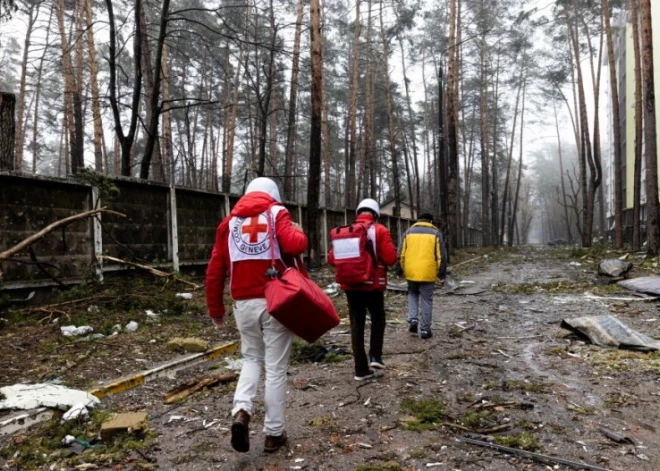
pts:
[272, 272]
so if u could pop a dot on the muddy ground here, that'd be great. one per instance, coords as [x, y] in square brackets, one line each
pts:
[498, 367]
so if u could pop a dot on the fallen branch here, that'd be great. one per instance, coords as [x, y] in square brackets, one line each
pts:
[531, 455]
[50, 228]
[153, 271]
[466, 262]
[197, 385]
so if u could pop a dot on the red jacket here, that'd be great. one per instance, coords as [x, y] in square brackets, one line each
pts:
[248, 277]
[385, 252]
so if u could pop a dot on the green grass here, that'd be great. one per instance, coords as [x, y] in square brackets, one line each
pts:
[523, 441]
[426, 414]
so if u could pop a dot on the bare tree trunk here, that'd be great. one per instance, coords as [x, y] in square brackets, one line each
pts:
[125, 140]
[168, 159]
[514, 213]
[352, 114]
[650, 142]
[639, 138]
[563, 187]
[230, 124]
[33, 14]
[414, 201]
[154, 108]
[616, 124]
[390, 118]
[69, 83]
[452, 227]
[289, 153]
[485, 151]
[521, 84]
[314, 179]
[37, 94]
[369, 158]
[7, 131]
[494, 228]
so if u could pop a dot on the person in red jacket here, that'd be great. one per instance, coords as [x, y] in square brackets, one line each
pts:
[242, 253]
[370, 295]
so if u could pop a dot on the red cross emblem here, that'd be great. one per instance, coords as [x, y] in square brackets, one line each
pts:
[254, 229]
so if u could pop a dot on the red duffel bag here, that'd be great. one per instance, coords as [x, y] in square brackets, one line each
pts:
[297, 302]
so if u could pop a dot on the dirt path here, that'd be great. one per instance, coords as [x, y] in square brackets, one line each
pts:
[498, 361]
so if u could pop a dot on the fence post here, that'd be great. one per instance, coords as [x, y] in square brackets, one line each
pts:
[7, 132]
[175, 230]
[97, 234]
[325, 235]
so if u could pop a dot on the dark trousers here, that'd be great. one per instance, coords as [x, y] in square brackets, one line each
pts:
[358, 304]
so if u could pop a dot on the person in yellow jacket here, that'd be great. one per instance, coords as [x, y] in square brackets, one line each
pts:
[423, 260]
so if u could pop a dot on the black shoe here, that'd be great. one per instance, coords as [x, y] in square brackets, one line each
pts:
[377, 362]
[362, 377]
[426, 334]
[414, 323]
[240, 432]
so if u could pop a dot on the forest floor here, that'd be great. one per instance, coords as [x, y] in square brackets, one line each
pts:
[498, 367]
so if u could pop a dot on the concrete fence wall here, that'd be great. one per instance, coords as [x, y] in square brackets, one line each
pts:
[164, 226]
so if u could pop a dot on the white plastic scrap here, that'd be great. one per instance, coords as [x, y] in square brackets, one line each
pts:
[116, 329]
[332, 289]
[73, 331]
[234, 365]
[32, 396]
[78, 411]
[68, 440]
[132, 326]
[184, 295]
[152, 316]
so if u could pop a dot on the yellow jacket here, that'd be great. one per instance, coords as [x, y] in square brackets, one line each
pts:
[421, 253]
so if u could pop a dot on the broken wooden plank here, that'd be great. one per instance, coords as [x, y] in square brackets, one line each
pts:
[128, 422]
[192, 387]
[125, 384]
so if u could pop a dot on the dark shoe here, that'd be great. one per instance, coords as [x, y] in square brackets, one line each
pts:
[362, 377]
[274, 443]
[240, 432]
[426, 334]
[413, 326]
[377, 362]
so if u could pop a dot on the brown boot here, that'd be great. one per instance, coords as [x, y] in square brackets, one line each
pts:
[274, 443]
[240, 432]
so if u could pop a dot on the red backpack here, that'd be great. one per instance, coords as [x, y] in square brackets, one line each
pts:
[355, 260]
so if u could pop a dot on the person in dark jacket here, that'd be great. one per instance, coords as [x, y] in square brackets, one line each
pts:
[370, 296]
[423, 259]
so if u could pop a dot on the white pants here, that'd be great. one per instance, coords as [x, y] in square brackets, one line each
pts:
[263, 340]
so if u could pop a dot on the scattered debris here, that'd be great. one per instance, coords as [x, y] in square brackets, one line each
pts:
[398, 288]
[167, 369]
[615, 437]
[13, 423]
[116, 329]
[33, 396]
[645, 284]
[467, 291]
[332, 290]
[129, 422]
[608, 331]
[192, 387]
[614, 268]
[189, 344]
[132, 326]
[534, 456]
[184, 295]
[78, 411]
[73, 331]
[68, 440]
[234, 364]
[152, 316]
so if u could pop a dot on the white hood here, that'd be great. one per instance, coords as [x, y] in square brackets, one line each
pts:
[265, 185]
